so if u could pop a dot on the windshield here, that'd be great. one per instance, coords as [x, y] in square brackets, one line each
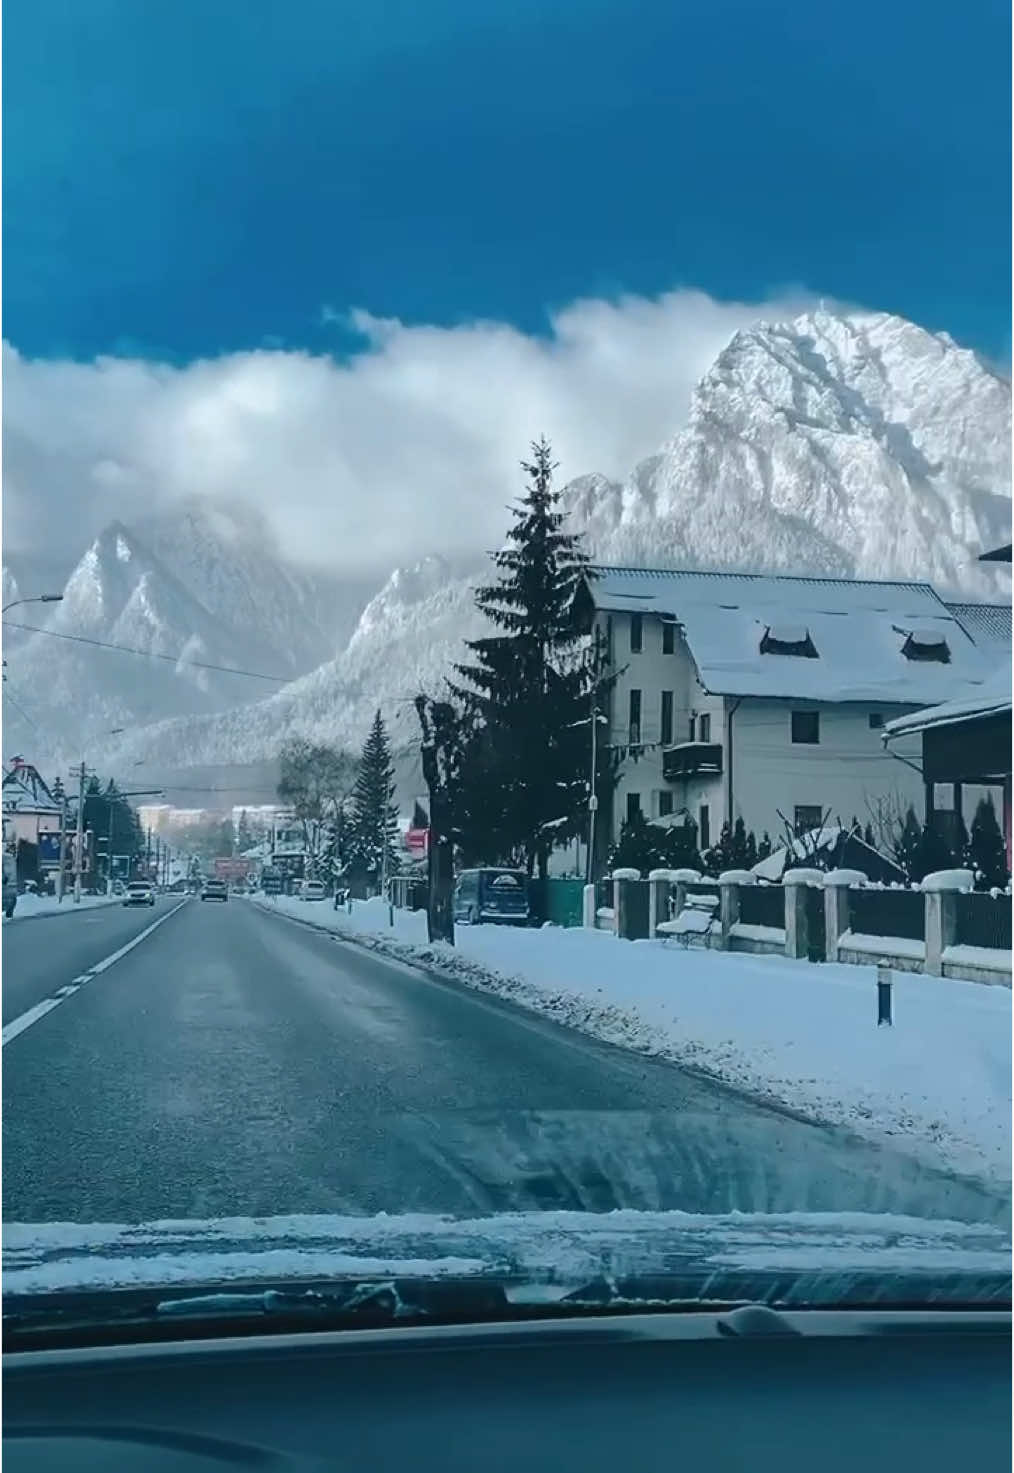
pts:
[536, 486]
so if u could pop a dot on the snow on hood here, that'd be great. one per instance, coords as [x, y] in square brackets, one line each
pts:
[545, 1247]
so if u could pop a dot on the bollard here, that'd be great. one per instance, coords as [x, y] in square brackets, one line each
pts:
[884, 1009]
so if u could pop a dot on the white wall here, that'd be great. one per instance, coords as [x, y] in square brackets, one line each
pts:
[845, 771]
[848, 766]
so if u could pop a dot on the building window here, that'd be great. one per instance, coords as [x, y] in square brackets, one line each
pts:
[806, 817]
[665, 803]
[666, 734]
[923, 644]
[636, 633]
[876, 720]
[634, 721]
[693, 727]
[704, 827]
[633, 805]
[788, 639]
[806, 728]
[668, 639]
[704, 727]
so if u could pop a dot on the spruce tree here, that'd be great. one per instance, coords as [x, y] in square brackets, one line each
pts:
[244, 838]
[764, 847]
[373, 823]
[909, 847]
[987, 854]
[751, 854]
[526, 692]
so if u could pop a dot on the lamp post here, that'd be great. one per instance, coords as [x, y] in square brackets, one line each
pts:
[38, 598]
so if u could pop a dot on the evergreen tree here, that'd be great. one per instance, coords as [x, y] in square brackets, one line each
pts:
[244, 837]
[646, 846]
[373, 819]
[933, 853]
[868, 836]
[739, 848]
[527, 692]
[909, 846]
[764, 847]
[987, 854]
[751, 854]
[720, 856]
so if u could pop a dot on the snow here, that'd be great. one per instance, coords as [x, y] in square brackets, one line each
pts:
[901, 946]
[47, 905]
[947, 879]
[746, 931]
[857, 444]
[569, 1248]
[855, 625]
[989, 958]
[992, 698]
[937, 1084]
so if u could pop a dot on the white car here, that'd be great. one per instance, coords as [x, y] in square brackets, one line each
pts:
[313, 890]
[139, 892]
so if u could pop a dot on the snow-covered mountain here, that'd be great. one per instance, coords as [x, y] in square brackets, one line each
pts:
[856, 445]
[202, 585]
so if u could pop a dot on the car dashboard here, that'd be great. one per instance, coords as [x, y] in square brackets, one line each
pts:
[750, 1388]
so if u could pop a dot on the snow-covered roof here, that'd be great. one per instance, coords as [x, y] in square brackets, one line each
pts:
[24, 791]
[988, 624]
[858, 629]
[992, 699]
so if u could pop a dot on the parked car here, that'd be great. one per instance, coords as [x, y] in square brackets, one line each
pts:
[497, 896]
[214, 890]
[313, 890]
[139, 892]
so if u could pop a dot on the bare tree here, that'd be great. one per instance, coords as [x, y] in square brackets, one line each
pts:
[887, 812]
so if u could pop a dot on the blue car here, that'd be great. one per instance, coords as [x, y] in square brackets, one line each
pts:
[491, 896]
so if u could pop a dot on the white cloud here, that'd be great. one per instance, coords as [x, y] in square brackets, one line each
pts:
[410, 446]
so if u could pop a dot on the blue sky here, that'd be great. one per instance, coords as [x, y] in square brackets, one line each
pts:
[190, 178]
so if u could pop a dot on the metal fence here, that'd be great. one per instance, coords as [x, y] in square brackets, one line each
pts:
[888, 913]
[564, 901]
[983, 920]
[762, 905]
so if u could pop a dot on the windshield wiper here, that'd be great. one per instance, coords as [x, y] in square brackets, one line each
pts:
[124, 1315]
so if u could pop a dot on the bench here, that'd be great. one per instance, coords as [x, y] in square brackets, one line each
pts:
[695, 922]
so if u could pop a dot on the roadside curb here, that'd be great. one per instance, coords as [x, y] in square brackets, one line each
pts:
[50, 915]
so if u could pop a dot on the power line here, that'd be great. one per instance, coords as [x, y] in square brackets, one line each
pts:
[22, 712]
[127, 649]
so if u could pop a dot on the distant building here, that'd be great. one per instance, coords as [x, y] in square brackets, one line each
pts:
[756, 696]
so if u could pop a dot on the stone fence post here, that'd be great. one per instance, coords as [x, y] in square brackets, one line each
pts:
[588, 908]
[796, 884]
[729, 884]
[941, 890]
[660, 882]
[622, 878]
[681, 878]
[836, 905]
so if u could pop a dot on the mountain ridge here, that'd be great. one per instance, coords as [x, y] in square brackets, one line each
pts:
[855, 445]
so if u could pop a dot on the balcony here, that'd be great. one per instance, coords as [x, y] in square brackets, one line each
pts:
[692, 759]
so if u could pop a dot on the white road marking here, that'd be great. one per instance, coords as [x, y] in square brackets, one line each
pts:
[20, 1024]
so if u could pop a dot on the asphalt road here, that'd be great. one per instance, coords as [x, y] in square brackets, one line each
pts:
[234, 1063]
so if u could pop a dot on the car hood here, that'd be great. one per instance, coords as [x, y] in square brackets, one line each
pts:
[800, 1258]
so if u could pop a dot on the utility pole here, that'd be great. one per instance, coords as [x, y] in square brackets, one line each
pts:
[79, 839]
[61, 871]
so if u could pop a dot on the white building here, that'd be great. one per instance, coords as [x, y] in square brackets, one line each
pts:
[754, 696]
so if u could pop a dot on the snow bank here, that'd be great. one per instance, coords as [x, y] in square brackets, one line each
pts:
[938, 1082]
[45, 905]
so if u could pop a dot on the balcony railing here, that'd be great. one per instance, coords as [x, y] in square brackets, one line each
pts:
[692, 759]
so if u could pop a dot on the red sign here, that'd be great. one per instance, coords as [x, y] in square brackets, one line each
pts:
[417, 842]
[231, 869]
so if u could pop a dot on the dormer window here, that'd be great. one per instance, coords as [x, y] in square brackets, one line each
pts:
[926, 644]
[788, 639]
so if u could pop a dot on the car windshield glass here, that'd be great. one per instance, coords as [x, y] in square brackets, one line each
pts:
[506, 709]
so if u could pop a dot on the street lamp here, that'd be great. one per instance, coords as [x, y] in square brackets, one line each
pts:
[39, 598]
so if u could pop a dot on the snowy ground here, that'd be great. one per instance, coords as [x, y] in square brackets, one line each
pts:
[44, 905]
[938, 1082]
